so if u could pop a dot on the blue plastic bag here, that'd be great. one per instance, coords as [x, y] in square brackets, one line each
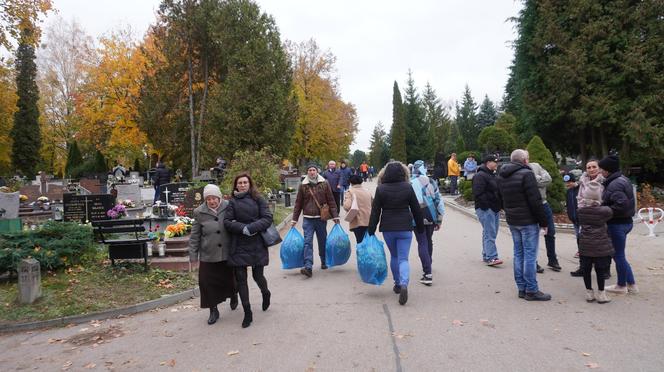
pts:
[292, 250]
[371, 261]
[337, 247]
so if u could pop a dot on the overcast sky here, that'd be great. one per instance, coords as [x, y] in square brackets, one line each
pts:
[446, 43]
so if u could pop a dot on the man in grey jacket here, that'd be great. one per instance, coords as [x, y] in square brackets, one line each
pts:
[544, 179]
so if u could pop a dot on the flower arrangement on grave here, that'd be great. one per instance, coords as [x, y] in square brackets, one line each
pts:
[188, 221]
[128, 203]
[117, 212]
[23, 198]
[180, 211]
[154, 234]
[178, 229]
[42, 199]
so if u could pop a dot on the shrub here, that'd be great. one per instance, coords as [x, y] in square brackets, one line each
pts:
[261, 166]
[55, 245]
[466, 189]
[493, 139]
[555, 193]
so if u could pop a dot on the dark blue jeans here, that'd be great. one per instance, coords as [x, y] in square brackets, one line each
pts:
[526, 240]
[425, 247]
[550, 236]
[453, 184]
[618, 234]
[311, 226]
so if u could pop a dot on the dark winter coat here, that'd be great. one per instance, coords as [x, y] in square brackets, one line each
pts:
[522, 201]
[485, 190]
[305, 203]
[245, 211]
[395, 205]
[162, 175]
[572, 204]
[333, 178]
[594, 238]
[345, 176]
[619, 196]
[209, 241]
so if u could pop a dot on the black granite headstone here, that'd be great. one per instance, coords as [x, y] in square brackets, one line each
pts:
[192, 199]
[176, 192]
[82, 208]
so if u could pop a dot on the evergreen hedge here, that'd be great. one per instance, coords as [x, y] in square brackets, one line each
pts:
[539, 153]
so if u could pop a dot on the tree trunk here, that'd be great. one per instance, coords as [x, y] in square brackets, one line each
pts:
[192, 124]
[201, 119]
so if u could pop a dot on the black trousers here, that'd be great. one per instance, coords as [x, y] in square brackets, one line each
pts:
[337, 199]
[602, 266]
[243, 286]
[359, 233]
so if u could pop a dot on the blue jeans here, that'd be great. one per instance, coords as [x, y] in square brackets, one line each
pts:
[550, 236]
[311, 225]
[398, 242]
[425, 247]
[618, 234]
[526, 240]
[157, 193]
[490, 221]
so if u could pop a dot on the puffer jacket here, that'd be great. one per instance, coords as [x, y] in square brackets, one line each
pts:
[245, 211]
[345, 176]
[619, 196]
[209, 241]
[333, 177]
[395, 205]
[306, 205]
[485, 190]
[594, 238]
[522, 201]
[162, 175]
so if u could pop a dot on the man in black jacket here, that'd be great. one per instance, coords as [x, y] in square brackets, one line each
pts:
[524, 212]
[162, 176]
[487, 208]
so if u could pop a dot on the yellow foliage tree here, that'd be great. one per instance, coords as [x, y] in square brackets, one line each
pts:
[107, 103]
[7, 108]
[16, 15]
[326, 125]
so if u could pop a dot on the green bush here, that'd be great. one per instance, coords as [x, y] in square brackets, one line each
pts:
[555, 193]
[55, 245]
[493, 139]
[466, 189]
[261, 166]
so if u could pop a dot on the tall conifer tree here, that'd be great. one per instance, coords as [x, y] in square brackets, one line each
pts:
[398, 132]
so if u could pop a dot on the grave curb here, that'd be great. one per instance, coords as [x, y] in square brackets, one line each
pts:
[164, 301]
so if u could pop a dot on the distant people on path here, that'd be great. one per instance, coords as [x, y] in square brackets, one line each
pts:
[246, 217]
[544, 179]
[395, 206]
[372, 172]
[453, 172]
[162, 176]
[333, 177]
[618, 195]
[209, 245]
[432, 209]
[364, 171]
[525, 215]
[595, 248]
[359, 197]
[470, 167]
[345, 178]
[314, 200]
[488, 204]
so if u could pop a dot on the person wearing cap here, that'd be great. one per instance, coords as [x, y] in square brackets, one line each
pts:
[618, 195]
[525, 216]
[209, 245]
[432, 209]
[571, 202]
[544, 179]
[487, 207]
[313, 194]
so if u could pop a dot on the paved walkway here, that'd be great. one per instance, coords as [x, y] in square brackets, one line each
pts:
[469, 320]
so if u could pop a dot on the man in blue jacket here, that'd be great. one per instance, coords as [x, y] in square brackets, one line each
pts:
[333, 177]
[345, 178]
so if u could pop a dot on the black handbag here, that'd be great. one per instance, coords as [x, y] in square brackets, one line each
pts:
[271, 236]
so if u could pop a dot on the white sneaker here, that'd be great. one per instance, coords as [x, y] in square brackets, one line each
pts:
[590, 295]
[427, 279]
[602, 297]
[616, 289]
[632, 289]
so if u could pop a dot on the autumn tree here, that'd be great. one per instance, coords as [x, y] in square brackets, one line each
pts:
[19, 15]
[26, 138]
[326, 125]
[398, 130]
[7, 109]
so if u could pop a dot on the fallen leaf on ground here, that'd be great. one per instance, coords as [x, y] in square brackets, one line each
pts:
[67, 365]
[234, 352]
[54, 340]
[168, 334]
[457, 322]
[170, 363]
[592, 365]
[257, 343]
[174, 310]
[585, 354]
[90, 366]
[83, 329]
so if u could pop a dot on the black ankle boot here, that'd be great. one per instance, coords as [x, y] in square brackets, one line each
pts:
[248, 316]
[266, 300]
[234, 301]
[214, 315]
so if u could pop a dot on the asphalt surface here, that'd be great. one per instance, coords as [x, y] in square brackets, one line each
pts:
[469, 320]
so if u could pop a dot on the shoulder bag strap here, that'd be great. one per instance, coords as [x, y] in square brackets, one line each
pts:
[314, 197]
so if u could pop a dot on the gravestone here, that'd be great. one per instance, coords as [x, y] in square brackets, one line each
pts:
[176, 192]
[129, 191]
[83, 208]
[29, 281]
[192, 199]
[9, 203]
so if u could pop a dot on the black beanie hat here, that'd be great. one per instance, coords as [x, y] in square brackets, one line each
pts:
[610, 163]
[313, 165]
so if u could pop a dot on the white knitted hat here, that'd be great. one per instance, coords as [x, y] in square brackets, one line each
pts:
[211, 190]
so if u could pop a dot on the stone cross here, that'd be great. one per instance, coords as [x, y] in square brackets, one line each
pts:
[29, 281]
[166, 192]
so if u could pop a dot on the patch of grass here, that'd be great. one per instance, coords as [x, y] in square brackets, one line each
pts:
[92, 286]
[280, 213]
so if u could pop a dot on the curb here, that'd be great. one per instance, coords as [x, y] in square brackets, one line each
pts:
[560, 227]
[284, 222]
[105, 314]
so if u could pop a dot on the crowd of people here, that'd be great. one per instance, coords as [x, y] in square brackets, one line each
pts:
[227, 235]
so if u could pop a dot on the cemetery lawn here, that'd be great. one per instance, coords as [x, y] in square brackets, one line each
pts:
[94, 287]
[280, 213]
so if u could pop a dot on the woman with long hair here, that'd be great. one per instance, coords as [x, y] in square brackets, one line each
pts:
[246, 217]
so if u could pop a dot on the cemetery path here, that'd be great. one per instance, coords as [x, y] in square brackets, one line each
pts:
[470, 319]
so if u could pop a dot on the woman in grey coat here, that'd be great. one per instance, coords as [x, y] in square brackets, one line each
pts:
[210, 244]
[246, 217]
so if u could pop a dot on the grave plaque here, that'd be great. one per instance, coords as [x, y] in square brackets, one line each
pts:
[176, 192]
[192, 199]
[29, 281]
[82, 208]
[9, 205]
[129, 191]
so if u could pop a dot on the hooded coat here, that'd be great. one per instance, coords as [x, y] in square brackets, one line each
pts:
[245, 211]
[594, 238]
[522, 201]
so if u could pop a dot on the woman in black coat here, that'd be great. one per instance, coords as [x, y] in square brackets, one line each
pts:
[246, 217]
